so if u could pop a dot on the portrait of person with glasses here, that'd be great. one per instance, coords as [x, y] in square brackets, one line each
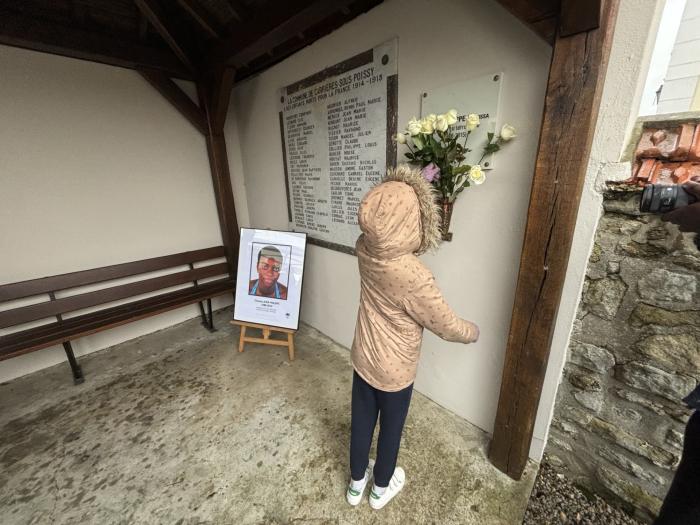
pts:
[269, 266]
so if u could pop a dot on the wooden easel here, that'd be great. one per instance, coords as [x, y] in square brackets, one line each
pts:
[265, 340]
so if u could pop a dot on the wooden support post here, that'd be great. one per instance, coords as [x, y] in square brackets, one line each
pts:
[572, 101]
[214, 96]
[265, 339]
[209, 119]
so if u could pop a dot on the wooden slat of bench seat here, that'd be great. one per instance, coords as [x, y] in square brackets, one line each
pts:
[35, 312]
[105, 315]
[9, 292]
[47, 335]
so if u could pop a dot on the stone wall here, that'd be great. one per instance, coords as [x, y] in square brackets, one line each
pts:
[634, 354]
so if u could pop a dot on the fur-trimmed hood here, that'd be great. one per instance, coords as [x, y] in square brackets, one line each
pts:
[400, 215]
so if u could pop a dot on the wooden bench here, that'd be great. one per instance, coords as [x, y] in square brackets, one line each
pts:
[61, 300]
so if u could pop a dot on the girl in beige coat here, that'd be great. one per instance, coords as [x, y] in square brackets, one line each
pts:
[399, 220]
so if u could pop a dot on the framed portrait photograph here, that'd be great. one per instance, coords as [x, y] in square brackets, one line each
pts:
[270, 277]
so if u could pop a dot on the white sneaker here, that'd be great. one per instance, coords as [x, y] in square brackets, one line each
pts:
[355, 496]
[396, 483]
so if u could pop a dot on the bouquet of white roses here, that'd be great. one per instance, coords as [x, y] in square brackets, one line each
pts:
[441, 152]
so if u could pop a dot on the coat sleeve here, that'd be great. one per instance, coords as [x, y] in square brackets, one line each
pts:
[426, 305]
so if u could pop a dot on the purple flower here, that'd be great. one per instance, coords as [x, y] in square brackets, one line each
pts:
[431, 172]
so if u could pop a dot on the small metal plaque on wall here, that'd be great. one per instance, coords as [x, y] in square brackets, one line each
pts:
[479, 95]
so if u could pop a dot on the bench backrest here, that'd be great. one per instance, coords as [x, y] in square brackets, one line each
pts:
[56, 307]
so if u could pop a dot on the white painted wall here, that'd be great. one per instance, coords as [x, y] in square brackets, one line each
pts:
[681, 90]
[96, 168]
[440, 42]
[635, 32]
[661, 56]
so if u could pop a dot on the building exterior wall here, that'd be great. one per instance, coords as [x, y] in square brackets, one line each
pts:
[681, 88]
[635, 347]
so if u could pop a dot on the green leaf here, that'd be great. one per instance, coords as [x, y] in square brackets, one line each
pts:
[490, 136]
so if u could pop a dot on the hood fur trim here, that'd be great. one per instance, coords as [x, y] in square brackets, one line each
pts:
[429, 210]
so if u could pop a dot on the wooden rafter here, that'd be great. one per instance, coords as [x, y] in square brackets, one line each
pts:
[239, 11]
[540, 15]
[165, 27]
[143, 27]
[303, 39]
[575, 85]
[178, 98]
[578, 16]
[33, 33]
[202, 17]
[240, 49]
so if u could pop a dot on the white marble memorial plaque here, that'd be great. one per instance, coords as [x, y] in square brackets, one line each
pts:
[337, 135]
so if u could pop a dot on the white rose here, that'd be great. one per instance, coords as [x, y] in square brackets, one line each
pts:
[451, 117]
[441, 123]
[476, 176]
[472, 121]
[427, 126]
[413, 127]
[432, 118]
[401, 138]
[507, 132]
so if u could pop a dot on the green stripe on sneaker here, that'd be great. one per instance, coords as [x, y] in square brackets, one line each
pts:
[374, 495]
[353, 492]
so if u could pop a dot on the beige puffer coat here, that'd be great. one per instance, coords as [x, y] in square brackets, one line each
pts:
[399, 220]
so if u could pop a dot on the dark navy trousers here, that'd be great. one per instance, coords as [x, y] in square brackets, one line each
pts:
[682, 503]
[391, 407]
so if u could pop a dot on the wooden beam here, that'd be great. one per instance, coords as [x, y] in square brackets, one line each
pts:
[202, 17]
[238, 11]
[152, 10]
[80, 12]
[572, 101]
[178, 98]
[223, 192]
[221, 95]
[238, 50]
[32, 33]
[307, 38]
[578, 16]
[221, 177]
[538, 15]
[143, 28]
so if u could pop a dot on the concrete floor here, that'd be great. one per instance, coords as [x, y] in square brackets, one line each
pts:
[176, 427]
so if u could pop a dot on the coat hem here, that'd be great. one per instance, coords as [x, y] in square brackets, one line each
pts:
[383, 389]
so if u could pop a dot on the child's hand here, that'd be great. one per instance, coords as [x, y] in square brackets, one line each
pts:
[474, 333]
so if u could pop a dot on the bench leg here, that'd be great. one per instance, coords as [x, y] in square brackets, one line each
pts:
[78, 377]
[207, 320]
